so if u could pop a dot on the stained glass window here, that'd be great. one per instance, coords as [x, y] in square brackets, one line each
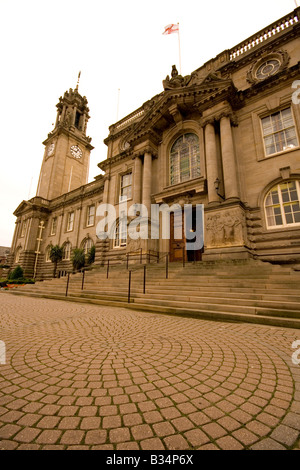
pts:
[185, 159]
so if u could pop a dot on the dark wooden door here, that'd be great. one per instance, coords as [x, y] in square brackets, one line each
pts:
[178, 245]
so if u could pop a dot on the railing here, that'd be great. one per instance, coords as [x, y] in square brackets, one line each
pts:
[144, 273]
[275, 28]
[140, 256]
[67, 274]
[135, 268]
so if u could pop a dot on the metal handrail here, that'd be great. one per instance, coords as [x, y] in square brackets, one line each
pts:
[144, 276]
[140, 254]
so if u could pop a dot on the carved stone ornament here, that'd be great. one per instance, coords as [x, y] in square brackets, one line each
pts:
[226, 228]
[268, 65]
[68, 119]
[176, 80]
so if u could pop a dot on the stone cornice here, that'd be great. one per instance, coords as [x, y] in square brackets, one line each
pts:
[83, 140]
[46, 206]
[105, 164]
[273, 81]
[191, 187]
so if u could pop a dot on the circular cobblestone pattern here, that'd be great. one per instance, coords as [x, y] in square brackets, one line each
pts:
[79, 376]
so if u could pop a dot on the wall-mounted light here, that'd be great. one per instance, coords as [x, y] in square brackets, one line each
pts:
[217, 187]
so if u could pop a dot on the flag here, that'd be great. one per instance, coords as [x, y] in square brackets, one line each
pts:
[171, 28]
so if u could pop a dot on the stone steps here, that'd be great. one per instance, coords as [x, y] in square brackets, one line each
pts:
[254, 291]
[262, 318]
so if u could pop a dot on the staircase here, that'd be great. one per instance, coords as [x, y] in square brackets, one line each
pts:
[248, 290]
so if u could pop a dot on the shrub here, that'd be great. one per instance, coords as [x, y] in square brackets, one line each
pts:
[22, 280]
[56, 254]
[91, 255]
[17, 273]
[78, 258]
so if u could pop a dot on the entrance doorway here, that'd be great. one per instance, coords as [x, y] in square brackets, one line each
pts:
[178, 246]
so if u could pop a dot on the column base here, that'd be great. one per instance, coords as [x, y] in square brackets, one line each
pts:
[228, 253]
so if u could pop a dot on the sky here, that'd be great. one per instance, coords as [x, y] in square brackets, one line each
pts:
[123, 57]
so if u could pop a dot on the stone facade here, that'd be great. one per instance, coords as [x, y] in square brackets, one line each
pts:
[227, 136]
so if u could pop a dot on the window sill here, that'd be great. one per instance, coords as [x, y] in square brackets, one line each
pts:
[123, 201]
[283, 227]
[266, 157]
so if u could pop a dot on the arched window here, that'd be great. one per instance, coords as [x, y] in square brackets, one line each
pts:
[87, 245]
[120, 234]
[17, 254]
[67, 251]
[282, 205]
[47, 256]
[185, 159]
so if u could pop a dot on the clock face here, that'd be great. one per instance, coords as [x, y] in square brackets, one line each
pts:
[76, 151]
[268, 68]
[50, 150]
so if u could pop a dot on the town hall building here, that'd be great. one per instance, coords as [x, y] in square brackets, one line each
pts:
[227, 137]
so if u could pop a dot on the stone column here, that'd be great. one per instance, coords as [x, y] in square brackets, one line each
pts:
[228, 159]
[106, 188]
[147, 180]
[137, 181]
[211, 162]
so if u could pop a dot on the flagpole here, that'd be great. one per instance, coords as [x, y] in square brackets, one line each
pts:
[118, 104]
[179, 50]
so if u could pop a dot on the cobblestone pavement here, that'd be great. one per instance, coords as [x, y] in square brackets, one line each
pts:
[80, 376]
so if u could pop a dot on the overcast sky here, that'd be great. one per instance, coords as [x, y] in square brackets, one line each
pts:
[116, 45]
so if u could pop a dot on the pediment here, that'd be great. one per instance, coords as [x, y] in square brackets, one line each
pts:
[36, 203]
[179, 103]
[25, 205]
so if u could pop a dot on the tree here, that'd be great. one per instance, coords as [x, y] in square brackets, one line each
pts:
[17, 273]
[78, 258]
[56, 254]
[91, 255]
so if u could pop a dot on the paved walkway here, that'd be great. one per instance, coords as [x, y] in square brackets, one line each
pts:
[81, 376]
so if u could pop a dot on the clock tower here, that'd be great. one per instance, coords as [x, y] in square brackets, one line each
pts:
[67, 148]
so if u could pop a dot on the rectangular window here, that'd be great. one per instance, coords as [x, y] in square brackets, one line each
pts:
[279, 132]
[126, 187]
[70, 223]
[53, 226]
[90, 220]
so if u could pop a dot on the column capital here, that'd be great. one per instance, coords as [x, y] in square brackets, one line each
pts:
[207, 121]
[143, 151]
[230, 115]
[145, 147]
[217, 117]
